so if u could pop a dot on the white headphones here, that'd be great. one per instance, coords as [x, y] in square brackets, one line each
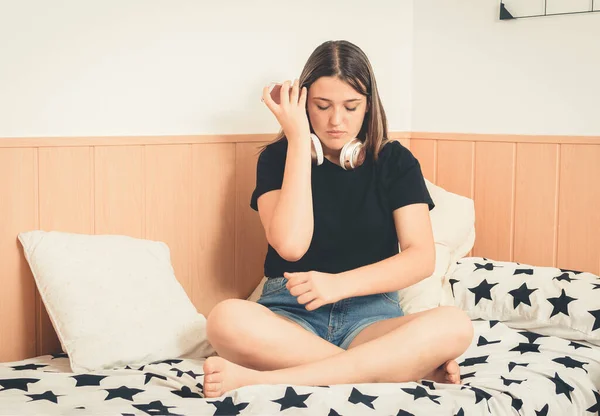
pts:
[349, 155]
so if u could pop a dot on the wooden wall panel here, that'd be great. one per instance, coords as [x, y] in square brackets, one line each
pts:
[579, 208]
[213, 224]
[494, 177]
[250, 240]
[169, 204]
[18, 213]
[65, 204]
[425, 152]
[119, 190]
[455, 167]
[535, 203]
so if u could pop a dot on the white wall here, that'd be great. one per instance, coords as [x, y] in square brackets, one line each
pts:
[474, 73]
[154, 67]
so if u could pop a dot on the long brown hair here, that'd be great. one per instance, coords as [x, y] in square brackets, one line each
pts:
[346, 61]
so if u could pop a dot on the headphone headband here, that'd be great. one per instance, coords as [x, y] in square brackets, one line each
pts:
[349, 155]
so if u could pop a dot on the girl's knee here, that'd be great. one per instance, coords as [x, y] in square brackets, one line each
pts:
[224, 320]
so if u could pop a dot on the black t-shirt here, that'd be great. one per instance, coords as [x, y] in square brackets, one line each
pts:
[352, 210]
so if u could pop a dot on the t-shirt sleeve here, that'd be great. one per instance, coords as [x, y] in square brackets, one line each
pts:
[403, 180]
[269, 172]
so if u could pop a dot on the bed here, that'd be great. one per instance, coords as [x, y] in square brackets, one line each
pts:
[506, 370]
[530, 355]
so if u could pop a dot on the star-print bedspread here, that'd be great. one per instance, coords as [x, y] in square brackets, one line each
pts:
[505, 371]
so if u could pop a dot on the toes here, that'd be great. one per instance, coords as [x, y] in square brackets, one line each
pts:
[212, 389]
[213, 378]
[212, 364]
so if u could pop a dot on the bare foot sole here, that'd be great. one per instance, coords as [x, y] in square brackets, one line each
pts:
[221, 376]
[448, 373]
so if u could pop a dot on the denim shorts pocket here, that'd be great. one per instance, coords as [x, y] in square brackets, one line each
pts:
[274, 285]
[392, 297]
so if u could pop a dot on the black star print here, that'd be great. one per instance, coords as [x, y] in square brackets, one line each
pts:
[523, 271]
[193, 375]
[521, 295]
[531, 336]
[17, 383]
[419, 392]
[200, 387]
[564, 276]
[170, 361]
[186, 393]
[59, 355]
[28, 367]
[461, 412]
[178, 371]
[404, 413]
[482, 341]
[333, 413]
[516, 403]
[570, 271]
[596, 407]
[292, 399]
[150, 376]
[50, 396]
[526, 347]
[570, 362]
[512, 365]
[543, 411]
[357, 397]
[561, 386]
[596, 286]
[155, 408]
[481, 395]
[578, 345]
[487, 266]
[452, 281]
[87, 380]
[560, 304]
[482, 291]
[428, 384]
[493, 323]
[596, 315]
[122, 392]
[463, 376]
[227, 407]
[475, 360]
[508, 381]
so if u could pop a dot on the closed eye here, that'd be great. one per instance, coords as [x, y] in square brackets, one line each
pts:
[325, 108]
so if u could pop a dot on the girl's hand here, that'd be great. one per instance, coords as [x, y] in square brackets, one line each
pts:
[314, 289]
[291, 110]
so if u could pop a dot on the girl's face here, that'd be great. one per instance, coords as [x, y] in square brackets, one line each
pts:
[336, 112]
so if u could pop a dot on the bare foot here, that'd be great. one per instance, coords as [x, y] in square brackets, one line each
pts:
[221, 376]
[448, 373]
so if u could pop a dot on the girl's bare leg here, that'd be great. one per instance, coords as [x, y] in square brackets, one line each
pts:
[408, 352]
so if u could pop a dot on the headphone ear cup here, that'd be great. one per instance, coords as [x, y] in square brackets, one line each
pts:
[316, 150]
[350, 154]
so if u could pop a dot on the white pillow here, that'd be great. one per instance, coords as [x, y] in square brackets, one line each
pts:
[453, 223]
[545, 300]
[113, 300]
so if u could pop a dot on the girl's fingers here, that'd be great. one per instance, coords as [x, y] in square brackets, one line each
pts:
[268, 100]
[300, 289]
[307, 297]
[295, 92]
[285, 94]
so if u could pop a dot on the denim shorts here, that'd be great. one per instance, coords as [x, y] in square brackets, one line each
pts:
[339, 322]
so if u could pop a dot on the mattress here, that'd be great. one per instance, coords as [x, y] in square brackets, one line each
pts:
[505, 371]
